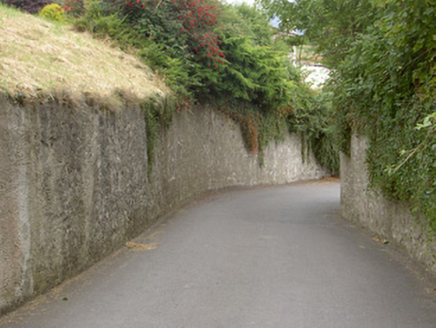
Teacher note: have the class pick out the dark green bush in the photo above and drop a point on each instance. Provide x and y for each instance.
(30, 6)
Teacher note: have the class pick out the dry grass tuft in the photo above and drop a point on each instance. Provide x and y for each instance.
(140, 247)
(40, 57)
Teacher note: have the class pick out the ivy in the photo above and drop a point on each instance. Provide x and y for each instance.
(390, 79)
(383, 56)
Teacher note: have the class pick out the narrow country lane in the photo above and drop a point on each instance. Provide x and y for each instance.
(264, 257)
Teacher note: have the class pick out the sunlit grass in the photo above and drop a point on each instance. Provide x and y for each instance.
(40, 56)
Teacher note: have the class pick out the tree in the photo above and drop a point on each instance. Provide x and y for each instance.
(330, 24)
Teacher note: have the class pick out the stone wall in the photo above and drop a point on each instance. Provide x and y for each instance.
(74, 184)
(392, 221)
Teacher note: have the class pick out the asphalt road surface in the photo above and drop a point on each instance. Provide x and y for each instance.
(264, 257)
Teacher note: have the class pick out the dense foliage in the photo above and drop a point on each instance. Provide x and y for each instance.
(220, 53)
(53, 12)
(331, 25)
(30, 6)
(198, 57)
(208, 51)
(383, 54)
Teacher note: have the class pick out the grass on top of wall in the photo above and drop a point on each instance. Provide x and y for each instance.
(42, 57)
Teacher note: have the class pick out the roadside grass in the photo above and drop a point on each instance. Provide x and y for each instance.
(42, 57)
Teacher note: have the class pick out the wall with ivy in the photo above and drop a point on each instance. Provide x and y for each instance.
(383, 85)
(391, 220)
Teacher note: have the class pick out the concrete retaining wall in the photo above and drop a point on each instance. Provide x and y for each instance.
(366, 207)
(74, 184)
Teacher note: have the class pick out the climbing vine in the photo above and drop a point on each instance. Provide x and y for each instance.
(383, 54)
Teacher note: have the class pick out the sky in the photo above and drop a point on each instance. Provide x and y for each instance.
(248, 2)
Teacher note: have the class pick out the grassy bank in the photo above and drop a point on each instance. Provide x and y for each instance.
(42, 57)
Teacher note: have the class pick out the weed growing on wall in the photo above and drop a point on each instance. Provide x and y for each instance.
(158, 114)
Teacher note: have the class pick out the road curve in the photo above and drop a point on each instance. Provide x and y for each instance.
(264, 257)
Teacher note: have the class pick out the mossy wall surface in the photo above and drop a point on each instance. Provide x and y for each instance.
(74, 183)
